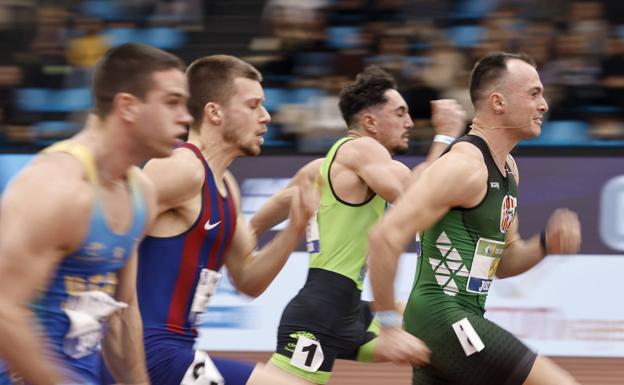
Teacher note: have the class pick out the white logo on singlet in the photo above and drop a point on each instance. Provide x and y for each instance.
(494, 185)
(209, 226)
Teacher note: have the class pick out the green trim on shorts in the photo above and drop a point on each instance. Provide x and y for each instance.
(366, 351)
(283, 362)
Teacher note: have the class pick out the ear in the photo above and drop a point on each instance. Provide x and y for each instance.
(213, 113)
(497, 102)
(369, 123)
(126, 106)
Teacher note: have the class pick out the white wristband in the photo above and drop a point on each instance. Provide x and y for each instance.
(389, 318)
(443, 139)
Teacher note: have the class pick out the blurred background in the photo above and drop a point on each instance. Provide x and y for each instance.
(567, 307)
(308, 49)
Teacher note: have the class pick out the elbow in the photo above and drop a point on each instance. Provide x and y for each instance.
(504, 273)
(254, 226)
(251, 290)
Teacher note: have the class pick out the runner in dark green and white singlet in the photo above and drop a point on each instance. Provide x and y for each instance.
(465, 203)
(460, 256)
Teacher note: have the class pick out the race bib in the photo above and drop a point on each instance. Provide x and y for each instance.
(484, 264)
(312, 235)
(86, 312)
(468, 337)
(308, 354)
(202, 371)
(206, 286)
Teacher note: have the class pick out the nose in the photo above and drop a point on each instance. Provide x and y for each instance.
(543, 107)
(186, 117)
(266, 117)
(409, 122)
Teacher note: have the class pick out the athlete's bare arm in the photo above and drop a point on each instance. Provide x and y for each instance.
(122, 346)
(364, 164)
(458, 178)
(253, 271)
(45, 213)
(275, 210)
(563, 236)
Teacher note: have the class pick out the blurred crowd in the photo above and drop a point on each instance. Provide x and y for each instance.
(308, 49)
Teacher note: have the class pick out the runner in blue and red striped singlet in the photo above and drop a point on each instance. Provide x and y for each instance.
(200, 227)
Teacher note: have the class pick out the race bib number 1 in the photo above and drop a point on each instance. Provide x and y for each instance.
(308, 354)
(484, 264)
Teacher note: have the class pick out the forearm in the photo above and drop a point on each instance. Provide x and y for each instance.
(122, 347)
(260, 270)
(435, 150)
(273, 212)
(383, 259)
(22, 348)
(520, 256)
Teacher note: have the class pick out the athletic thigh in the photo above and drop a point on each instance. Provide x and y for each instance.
(168, 360)
(313, 332)
(504, 360)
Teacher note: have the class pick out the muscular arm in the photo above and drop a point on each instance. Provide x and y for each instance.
(37, 228)
(253, 271)
(425, 202)
(563, 236)
(122, 346)
(374, 165)
(275, 210)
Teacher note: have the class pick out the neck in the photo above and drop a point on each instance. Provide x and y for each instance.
(114, 151)
(499, 143)
(218, 152)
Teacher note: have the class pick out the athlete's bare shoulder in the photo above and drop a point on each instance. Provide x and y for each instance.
(52, 194)
(362, 151)
(463, 168)
(468, 156)
(176, 178)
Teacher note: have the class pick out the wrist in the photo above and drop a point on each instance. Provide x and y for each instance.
(446, 139)
(389, 318)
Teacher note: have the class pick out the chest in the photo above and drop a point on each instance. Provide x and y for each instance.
(117, 208)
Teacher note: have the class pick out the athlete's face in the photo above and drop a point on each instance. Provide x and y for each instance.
(524, 103)
(162, 116)
(246, 119)
(393, 122)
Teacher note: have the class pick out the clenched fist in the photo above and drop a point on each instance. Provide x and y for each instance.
(563, 233)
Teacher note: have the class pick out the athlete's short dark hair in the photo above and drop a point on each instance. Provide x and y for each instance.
(211, 79)
(366, 91)
(128, 68)
(490, 69)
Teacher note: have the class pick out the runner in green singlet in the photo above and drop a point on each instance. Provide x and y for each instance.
(327, 319)
(465, 202)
